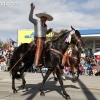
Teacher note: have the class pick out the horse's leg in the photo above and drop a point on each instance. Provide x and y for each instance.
(75, 73)
(41, 73)
(22, 76)
(61, 83)
(62, 73)
(13, 83)
(23, 82)
(54, 74)
(43, 82)
(72, 71)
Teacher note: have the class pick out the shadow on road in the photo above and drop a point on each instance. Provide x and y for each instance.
(33, 89)
(85, 89)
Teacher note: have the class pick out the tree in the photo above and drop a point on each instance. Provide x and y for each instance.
(5, 45)
(1, 43)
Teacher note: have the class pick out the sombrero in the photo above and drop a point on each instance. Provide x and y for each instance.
(49, 17)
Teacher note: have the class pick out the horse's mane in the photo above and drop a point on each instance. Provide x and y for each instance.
(64, 34)
(60, 36)
(78, 33)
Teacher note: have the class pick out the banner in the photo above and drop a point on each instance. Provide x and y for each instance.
(25, 36)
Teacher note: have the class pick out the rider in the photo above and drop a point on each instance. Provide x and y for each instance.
(40, 29)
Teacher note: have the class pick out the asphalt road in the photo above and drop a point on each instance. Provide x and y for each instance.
(87, 88)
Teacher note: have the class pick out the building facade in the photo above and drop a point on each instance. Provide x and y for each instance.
(91, 39)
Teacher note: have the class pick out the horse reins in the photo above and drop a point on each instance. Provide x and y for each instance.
(78, 39)
(57, 51)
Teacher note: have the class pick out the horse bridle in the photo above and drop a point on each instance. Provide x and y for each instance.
(76, 37)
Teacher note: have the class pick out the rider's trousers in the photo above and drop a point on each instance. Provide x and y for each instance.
(39, 49)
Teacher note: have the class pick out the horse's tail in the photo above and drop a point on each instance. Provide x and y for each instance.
(10, 65)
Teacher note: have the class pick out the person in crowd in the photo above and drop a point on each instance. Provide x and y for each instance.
(66, 70)
(96, 69)
(82, 65)
(88, 65)
(1, 53)
(3, 64)
(81, 70)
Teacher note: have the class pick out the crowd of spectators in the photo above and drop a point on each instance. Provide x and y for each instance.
(5, 56)
(88, 66)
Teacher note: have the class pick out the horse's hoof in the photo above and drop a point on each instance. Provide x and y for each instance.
(42, 94)
(74, 81)
(22, 87)
(15, 91)
(55, 79)
(63, 77)
(67, 97)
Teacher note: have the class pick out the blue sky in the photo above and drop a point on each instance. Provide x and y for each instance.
(81, 14)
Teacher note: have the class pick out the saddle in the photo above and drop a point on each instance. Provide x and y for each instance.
(46, 47)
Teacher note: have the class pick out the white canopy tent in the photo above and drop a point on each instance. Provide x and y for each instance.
(97, 53)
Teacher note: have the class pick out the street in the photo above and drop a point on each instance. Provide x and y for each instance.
(87, 88)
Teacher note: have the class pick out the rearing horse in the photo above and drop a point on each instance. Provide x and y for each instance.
(53, 59)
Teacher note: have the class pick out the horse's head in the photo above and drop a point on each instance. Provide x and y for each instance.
(76, 39)
(73, 37)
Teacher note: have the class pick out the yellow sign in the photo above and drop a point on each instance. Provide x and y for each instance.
(25, 36)
(49, 35)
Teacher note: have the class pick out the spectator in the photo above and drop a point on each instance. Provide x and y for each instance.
(67, 70)
(81, 70)
(88, 66)
(1, 53)
(96, 70)
(82, 62)
(3, 64)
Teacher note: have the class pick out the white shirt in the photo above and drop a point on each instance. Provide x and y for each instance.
(40, 31)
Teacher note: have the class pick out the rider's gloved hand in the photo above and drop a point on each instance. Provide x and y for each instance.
(51, 29)
(32, 6)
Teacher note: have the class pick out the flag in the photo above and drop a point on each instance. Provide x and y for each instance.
(12, 41)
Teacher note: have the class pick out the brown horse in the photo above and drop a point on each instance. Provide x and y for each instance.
(71, 59)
